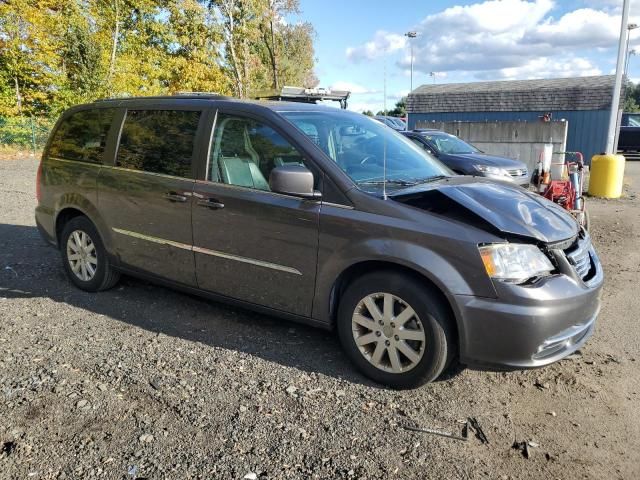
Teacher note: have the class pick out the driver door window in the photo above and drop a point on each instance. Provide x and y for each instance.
(244, 152)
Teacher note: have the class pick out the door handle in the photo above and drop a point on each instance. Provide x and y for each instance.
(175, 197)
(211, 203)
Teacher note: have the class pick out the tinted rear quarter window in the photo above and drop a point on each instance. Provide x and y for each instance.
(82, 135)
(158, 141)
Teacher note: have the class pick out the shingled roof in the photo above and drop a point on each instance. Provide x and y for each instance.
(581, 93)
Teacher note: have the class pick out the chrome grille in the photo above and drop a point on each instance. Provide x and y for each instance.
(518, 172)
(580, 258)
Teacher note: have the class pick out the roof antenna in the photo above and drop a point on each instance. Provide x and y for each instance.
(384, 138)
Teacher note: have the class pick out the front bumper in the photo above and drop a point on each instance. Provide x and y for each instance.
(529, 326)
(523, 181)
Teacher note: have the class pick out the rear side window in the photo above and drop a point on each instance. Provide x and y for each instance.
(158, 141)
(82, 135)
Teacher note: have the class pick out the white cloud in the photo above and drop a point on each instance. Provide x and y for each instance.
(546, 68)
(581, 28)
(614, 5)
(494, 16)
(354, 88)
(375, 102)
(363, 106)
(506, 39)
(382, 43)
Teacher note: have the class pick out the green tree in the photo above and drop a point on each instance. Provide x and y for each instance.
(81, 57)
(631, 97)
(194, 37)
(297, 57)
(55, 53)
(239, 31)
(287, 49)
(400, 109)
(29, 49)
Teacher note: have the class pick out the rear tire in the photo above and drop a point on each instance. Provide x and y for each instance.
(84, 257)
(395, 329)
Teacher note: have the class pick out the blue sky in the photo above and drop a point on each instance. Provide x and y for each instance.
(461, 41)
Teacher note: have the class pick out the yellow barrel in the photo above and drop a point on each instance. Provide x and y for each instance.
(607, 172)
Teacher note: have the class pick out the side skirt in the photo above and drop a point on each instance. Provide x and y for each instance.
(272, 312)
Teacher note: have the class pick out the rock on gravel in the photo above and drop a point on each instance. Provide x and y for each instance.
(146, 438)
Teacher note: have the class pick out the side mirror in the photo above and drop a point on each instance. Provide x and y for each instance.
(293, 180)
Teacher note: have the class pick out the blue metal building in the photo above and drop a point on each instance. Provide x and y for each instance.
(584, 102)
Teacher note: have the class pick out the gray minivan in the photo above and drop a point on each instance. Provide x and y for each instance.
(321, 216)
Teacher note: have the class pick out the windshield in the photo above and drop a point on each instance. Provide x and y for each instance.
(393, 122)
(360, 146)
(633, 120)
(450, 144)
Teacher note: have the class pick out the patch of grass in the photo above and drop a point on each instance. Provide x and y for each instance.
(17, 153)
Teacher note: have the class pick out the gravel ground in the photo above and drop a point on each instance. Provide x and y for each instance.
(143, 382)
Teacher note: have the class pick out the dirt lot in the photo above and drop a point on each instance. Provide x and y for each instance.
(143, 382)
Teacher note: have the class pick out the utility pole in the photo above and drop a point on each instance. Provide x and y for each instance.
(617, 88)
(626, 67)
(411, 35)
(631, 26)
(625, 79)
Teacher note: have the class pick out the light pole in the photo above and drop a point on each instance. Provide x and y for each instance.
(625, 79)
(626, 67)
(411, 35)
(617, 88)
(631, 26)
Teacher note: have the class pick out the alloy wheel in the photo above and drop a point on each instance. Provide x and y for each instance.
(81, 255)
(388, 332)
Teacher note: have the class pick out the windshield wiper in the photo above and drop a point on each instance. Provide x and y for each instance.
(404, 183)
(431, 179)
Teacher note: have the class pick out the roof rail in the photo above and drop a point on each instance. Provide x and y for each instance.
(306, 95)
(198, 94)
(191, 95)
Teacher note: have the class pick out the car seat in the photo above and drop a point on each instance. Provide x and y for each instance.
(238, 160)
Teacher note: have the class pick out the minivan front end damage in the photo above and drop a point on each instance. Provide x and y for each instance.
(538, 323)
(531, 322)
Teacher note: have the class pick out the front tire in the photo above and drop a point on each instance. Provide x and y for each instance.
(395, 329)
(84, 257)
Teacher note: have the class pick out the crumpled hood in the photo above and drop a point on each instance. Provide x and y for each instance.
(506, 207)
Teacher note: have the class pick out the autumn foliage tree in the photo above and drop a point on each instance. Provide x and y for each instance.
(56, 53)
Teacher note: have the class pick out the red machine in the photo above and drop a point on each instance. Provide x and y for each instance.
(566, 190)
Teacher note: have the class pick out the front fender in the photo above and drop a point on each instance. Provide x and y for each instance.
(451, 279)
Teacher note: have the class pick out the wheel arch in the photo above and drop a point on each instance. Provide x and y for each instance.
(63, 217)
(356, 270)
(85, 209)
